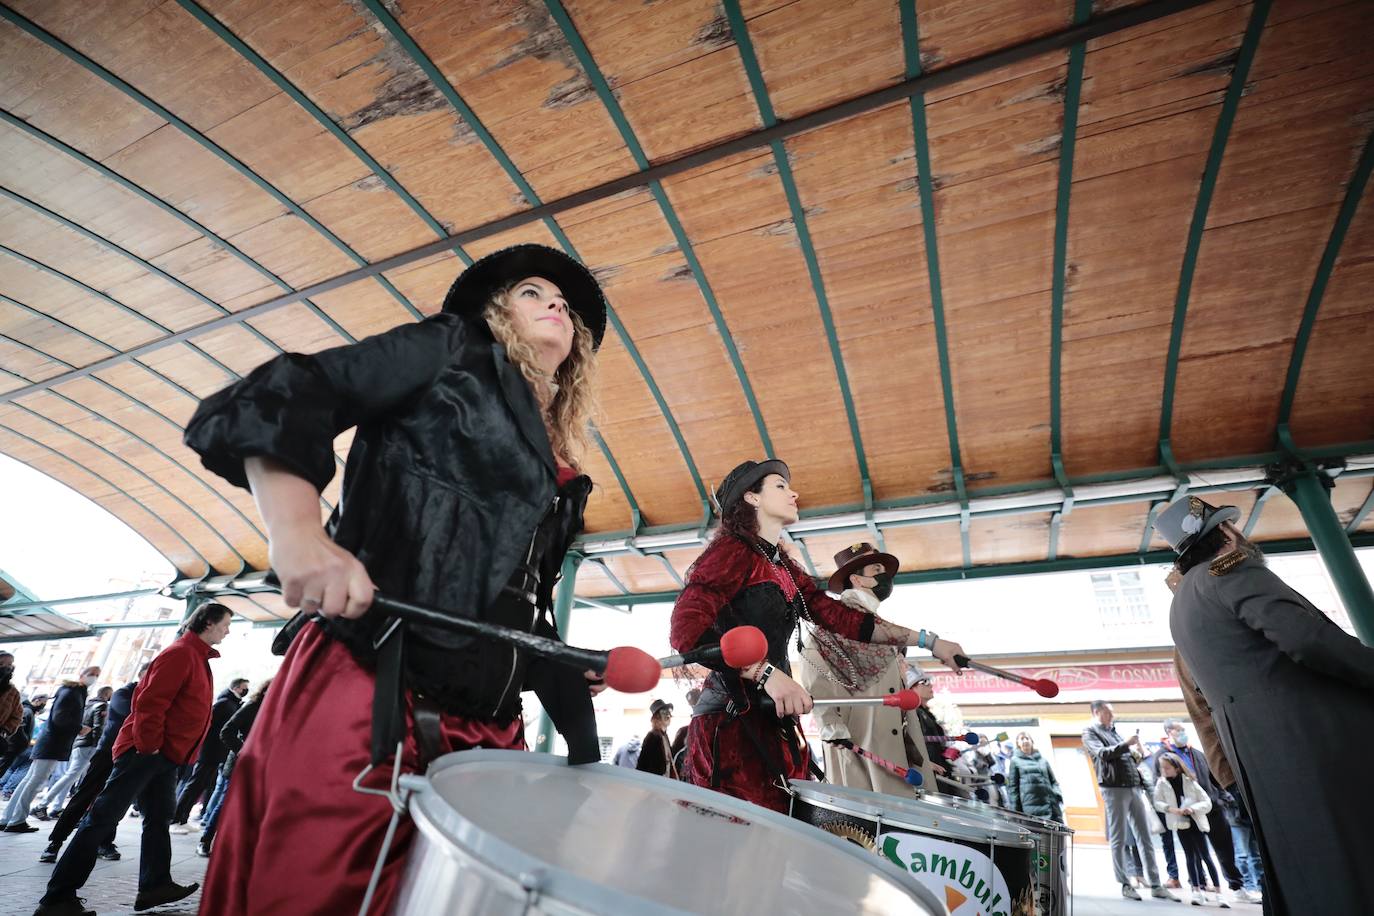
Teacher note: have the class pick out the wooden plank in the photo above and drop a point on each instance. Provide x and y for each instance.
(69, 303)
(952, 31)
(932, 546)
(1282, 519)
(1009, 539)
(1090, 531)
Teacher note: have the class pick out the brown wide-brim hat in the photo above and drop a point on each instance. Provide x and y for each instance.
(472, 290)
(854, 558)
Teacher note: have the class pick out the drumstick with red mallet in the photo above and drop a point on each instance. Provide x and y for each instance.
(905, 700)
(739, 647)
(1043, 686)
(910, 775)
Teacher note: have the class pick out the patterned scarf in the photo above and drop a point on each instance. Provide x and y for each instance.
(852, 664)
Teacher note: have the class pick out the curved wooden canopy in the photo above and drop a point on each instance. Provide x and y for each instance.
(1138, 246)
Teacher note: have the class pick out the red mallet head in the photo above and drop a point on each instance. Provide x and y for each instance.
(1047, 688)
(906, 700)
(951, 753)
(743, 646)
(631, 670)
(914, 777)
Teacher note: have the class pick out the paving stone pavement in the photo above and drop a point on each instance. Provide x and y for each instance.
(113, 885)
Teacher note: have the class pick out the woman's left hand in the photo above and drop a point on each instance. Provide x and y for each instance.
(594, 682)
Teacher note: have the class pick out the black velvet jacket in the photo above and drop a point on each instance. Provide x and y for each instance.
(448, 478)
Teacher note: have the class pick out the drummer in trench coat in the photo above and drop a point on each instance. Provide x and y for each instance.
(833, 667)
(1278, 675)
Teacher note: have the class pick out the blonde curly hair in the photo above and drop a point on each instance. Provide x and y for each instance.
(567, 399)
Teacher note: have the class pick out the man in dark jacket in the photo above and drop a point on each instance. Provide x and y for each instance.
(83, 749)
(171, 710)
(102, 761)
(1128, 820)
(1277, 674)
(53, 747)
(212, 753)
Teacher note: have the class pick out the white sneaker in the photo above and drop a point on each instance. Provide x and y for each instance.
(179, 830)
(1220, 900)
(1198, 898)
(1241, 895)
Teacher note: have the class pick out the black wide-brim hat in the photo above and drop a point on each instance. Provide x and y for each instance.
(742, 479)
(856, 557)
(472, 290)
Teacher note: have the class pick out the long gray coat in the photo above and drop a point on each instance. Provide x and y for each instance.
(1279, 675)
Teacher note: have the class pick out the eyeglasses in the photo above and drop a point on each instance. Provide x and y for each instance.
(923, 680)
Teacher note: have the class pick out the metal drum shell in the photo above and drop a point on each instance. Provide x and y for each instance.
(1052, 840)
(458, 867)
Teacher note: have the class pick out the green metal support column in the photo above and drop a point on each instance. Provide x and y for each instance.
(1309, 489)
(562, 611)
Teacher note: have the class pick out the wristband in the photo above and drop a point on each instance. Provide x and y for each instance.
(931, 637)
(765, 674)
(921, 639)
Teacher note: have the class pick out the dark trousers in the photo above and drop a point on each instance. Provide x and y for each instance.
(97, 772)
(201, 781)
(1166, 840)
(1194, 845)
(1220, 837)
(149, 778)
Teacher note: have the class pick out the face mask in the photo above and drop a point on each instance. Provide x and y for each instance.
(6, 673)
(883, 590)
(88, 680)
(1182, 740)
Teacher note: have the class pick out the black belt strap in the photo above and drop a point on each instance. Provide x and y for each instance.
(388, 696)
(426, 714)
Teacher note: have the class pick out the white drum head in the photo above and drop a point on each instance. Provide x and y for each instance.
(614, 840)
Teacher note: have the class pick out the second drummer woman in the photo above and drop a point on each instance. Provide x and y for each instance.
(739, 744)
(461, 491)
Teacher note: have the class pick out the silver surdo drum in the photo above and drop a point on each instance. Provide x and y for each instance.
(1053, 851)
(511, 832)
(976, 865)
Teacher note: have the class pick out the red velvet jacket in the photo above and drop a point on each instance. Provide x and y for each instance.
(733, 584)
(171, 707)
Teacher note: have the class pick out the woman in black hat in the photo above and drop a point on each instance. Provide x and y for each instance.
(461, 491)
(744, 737)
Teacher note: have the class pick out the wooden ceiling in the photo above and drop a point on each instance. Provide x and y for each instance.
(1151, 246)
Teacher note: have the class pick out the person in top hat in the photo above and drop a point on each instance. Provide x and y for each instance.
(744, 737)
(656, 753)
(462, 491)
(1276, 673)
(833, 667)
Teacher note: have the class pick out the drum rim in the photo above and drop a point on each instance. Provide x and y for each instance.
(1032, 823)
(1009, 836)
(440, 825)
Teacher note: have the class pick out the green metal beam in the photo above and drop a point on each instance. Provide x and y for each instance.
(146, 195)
(1227, 116)
(1354, 192)
(926, 188)
(627, 134)
(1000, 570)
(562, 614)
(1073, 88)
(1335, 548)
(10, 607)
(806, 557)
(114, 488)
(450, 93)
(740, 30)
(202, 140)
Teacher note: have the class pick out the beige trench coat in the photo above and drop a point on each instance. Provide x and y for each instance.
(877, 728)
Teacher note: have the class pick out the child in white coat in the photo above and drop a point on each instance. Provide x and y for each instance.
(1185, 806)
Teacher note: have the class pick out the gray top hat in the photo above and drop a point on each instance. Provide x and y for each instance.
(1186, 520)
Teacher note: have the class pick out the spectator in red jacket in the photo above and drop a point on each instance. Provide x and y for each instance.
(171, 709)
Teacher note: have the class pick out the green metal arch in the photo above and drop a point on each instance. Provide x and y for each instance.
(218, 151)
(627, 134)
(508, 166)
(143, 193)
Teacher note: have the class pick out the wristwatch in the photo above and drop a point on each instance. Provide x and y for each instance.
(765, 674)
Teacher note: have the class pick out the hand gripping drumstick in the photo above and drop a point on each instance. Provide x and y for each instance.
(906, 700)
(910, 775)
(1043, 686)
(740, 647)
(624, 668)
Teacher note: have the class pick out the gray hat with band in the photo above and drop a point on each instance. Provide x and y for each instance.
(1186, 520)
